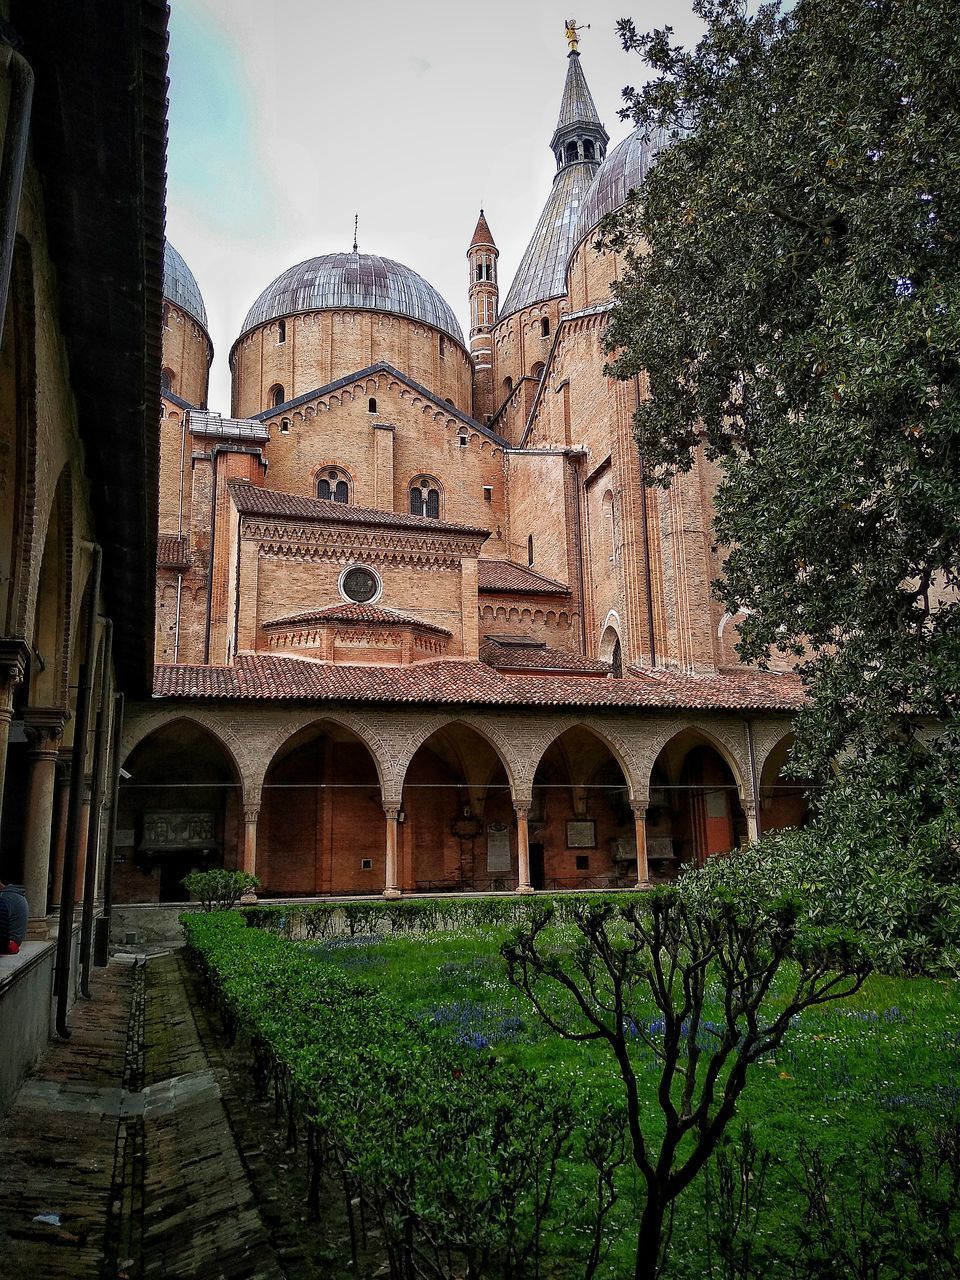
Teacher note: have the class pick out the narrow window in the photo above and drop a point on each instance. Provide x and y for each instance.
(166, 380)
(463, 442)
(166, 315)
(545, 327)
(508, 385)
(488, 493)
(537, 370)
(479, 270)
(530, 549)
(333, 486)
(571, 152)
(443, 347)
(588, 152)
(281, 331)
(371, 405)
(284, 426)
(277, 395)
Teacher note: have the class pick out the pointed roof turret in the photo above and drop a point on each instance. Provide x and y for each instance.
(483, 236)
(579, 143)
(577, 106)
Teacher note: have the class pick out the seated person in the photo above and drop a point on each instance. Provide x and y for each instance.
(14, 914)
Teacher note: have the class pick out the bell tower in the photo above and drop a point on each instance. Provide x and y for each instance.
(484, 299)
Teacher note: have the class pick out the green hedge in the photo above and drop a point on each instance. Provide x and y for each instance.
(468, 1165)
(413, 915)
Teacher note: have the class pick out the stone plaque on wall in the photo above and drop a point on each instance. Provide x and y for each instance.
(177, 829)
(717, 804)
(498, 847)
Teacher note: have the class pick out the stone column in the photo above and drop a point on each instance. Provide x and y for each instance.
(43, 726)
(753, 821)
(82, 839)
(523, 849)
(251, 815)
(640, 822)
(13, 666)
(391, 889)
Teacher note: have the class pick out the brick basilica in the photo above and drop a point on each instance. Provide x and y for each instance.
(419, 624)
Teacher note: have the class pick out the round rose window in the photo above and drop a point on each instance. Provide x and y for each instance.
(359, 585)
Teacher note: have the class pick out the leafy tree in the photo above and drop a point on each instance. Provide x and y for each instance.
(792, 296)
(219, 890)
(717, 979)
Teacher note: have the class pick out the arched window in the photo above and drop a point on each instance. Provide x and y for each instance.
(371, 405)
(530, 549)
(277, 395)
(284, 426)
(479, 270)
(537, 370)
(545, 327)
(507, 385)
(166, 380)
(588, 152)
(333, 485)
(571, 152)
(443, 347)
(166, 315)
(425, 497)
(281, 331)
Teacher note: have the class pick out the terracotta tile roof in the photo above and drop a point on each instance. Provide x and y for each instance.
(263, 676)
(356, 614)
(510, 654)
(251, 499)
(482, 235)
(172, 552)
(499, 576)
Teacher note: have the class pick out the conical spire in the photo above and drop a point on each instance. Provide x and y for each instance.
(482, 237)
(579, 142)
(577, 106)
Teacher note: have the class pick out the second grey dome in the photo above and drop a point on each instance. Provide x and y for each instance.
(623, 170)
(180, 286)
(348, 281)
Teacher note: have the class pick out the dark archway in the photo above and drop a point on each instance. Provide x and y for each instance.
(694, 809)
(784, 799)
(179, 810)
(459, 828)
(582, 831)
(322, 827)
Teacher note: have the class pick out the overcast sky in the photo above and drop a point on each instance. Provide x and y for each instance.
(287, 118)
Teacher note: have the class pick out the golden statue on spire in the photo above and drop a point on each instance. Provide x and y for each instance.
(573, 40)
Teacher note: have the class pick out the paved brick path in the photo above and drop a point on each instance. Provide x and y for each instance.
(122, 1133)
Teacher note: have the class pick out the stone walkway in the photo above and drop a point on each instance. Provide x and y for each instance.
(118, 1158)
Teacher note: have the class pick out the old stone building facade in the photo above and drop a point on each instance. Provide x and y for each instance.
(419, 623)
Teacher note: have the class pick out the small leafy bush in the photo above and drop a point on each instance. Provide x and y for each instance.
(219, 890)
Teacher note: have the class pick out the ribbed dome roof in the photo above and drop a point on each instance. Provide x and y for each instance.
(347, 281)
(623, 170)
(180, 287)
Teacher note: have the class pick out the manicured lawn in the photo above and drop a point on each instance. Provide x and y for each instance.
(846, 1075)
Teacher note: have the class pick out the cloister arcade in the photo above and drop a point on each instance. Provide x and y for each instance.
(336, 800)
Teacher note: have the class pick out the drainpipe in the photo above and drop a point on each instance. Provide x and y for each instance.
(14, 159)
(214, 454)
(576, 466)
(75, 802)
(114, 802)
(646, 536)
(176, 633)
(93, 830)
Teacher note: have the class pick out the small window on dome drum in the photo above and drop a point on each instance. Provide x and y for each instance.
(166, 380)
(277, 395)
(281, 331)
(588, 153)
(443, 347)
(371, 405)
(545, 327)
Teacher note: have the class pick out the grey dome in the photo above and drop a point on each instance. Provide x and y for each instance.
(348, 281)
(180, 287)
(623, 170)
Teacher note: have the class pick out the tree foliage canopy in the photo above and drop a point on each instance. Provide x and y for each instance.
(792, 295)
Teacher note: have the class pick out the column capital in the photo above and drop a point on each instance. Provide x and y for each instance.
(44, 728)
(251, 812)
(392, 811)
(522, 810)
(14, 655)
(639, 806)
